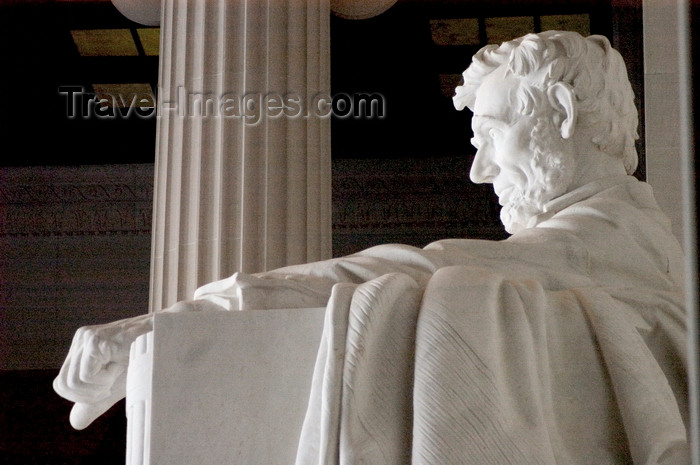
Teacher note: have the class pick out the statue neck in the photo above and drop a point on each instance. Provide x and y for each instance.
(593, 164)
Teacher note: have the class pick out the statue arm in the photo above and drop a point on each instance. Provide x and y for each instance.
(94, 372)
(267, 291)
(310, 284)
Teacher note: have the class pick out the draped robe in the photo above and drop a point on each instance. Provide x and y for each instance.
(564, 344)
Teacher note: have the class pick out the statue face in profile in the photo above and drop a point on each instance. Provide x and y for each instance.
(524, 156)
(552, 112)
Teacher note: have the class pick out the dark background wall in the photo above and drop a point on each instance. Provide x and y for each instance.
(75, 210)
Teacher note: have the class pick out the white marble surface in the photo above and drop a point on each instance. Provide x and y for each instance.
(231, 388)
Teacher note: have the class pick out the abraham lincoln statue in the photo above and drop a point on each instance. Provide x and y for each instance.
(563, 344)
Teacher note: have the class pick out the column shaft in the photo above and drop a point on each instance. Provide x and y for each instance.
(238, 188)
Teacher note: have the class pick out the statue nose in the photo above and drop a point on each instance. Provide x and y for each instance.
(483, 168)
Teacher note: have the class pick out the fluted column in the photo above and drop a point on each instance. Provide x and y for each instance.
(241, 184)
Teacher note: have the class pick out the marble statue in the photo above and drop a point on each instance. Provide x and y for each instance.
(563, 344)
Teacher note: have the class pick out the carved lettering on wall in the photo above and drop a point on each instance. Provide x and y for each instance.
(374, 201)
(104, 200)
(413, 201)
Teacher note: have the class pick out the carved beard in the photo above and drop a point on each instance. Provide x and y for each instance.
(551, 173)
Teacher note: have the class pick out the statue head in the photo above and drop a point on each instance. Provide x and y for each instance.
(552, 111)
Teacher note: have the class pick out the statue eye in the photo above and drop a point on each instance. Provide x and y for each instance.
(494, 133)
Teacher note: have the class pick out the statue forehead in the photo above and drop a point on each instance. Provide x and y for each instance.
(495, 96)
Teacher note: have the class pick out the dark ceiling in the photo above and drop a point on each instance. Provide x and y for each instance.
(410, 56)
(40, 56)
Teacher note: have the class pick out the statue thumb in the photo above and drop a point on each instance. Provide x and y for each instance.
(82, 414)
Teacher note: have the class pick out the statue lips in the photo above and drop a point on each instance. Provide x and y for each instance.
(504, 194)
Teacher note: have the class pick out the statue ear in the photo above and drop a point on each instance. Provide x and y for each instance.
(561, 98)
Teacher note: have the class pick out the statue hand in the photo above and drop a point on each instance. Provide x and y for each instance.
(94, 372)
(83, 414)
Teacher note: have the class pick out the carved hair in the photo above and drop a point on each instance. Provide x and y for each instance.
(594, 70)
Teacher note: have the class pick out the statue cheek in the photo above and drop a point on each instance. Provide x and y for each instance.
(521, 140)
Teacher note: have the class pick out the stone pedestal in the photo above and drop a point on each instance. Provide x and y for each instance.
(221, 388)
